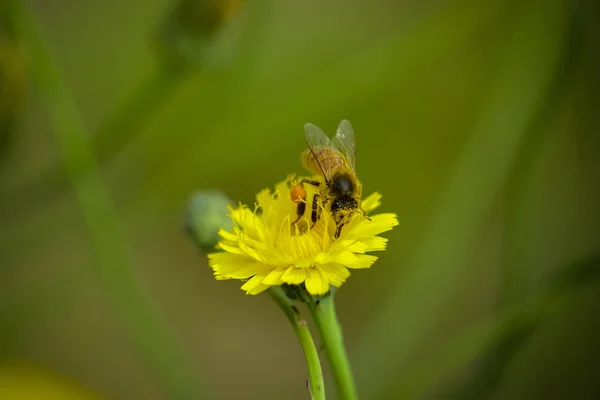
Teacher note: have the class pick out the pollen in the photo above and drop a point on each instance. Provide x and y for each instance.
(269, 246)
(298, 193)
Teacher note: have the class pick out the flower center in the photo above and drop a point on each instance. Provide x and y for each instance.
(292, 232)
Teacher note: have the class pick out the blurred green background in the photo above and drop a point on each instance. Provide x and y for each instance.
(478, 121)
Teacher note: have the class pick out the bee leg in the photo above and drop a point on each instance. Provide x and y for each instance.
(298, 196)
(364, 214)
(314, 183)
(338, 231)
(300, 210)
(314, 215)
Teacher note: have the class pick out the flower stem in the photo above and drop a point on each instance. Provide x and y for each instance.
(157, 345)
(323, 312)
(316, 385)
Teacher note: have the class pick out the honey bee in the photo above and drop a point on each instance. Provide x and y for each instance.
(334, 160)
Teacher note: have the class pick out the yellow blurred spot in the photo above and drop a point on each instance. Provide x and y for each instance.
(23, 380)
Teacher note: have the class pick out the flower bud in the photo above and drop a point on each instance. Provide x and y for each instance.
(207, 213)
(188, 27)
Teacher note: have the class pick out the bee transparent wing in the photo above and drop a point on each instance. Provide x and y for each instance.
(345, 142)
(317, 142)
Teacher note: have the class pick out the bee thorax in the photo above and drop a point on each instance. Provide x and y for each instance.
(342, 185)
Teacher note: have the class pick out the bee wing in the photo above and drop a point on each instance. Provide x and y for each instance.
(345, 142)
(315, 139)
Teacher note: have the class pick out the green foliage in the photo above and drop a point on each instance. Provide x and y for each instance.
(477, 122)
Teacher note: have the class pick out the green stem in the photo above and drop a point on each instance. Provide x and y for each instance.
(323, 313)
(112, 260)
(317, 386)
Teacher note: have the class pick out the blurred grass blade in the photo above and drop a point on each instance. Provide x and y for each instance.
(129, 118)
(173, 68)
(13, 81)
(490, 368)
(29, 307)
(437, 266)
(517, 279)
(460, 350)
(495, 341)
(182, 44)
(112, 261)
(517, 284)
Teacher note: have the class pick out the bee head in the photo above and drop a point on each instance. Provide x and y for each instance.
(342, 207)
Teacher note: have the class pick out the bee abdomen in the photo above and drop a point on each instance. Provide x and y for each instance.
(328, 160)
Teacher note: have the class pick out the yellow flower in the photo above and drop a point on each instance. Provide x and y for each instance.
(266, 249)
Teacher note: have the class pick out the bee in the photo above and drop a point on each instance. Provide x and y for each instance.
(334, 160)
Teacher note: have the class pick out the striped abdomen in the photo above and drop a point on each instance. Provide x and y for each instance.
(329, 160)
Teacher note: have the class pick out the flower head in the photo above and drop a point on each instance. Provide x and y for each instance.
(266, 248)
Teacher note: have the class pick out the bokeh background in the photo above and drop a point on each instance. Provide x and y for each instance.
(478, 121)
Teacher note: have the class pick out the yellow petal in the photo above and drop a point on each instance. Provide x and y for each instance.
(316, 281)
(371, 202)
(294, 276)
(231, 249)
(306, 263)
(362, 261)
(227, 243)
(345, 242)
(336, 273)
(228, 235)
(343, 256)
(264, 199)
(284, 203)
(274, 278)
(248, 222)
(283, 188)
(355, 246)
(379, 223)
(258, 289)
(373, 243)
(255, 284)
(322, 258)
(241, 273)
(235, 266)
(247, 248)
(258, 245)
(239, 215)
(235, 260)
